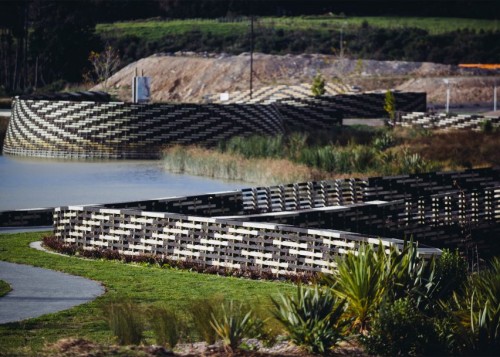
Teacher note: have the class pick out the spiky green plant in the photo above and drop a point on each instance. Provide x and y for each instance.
(312, 318)
(233, 324)
(477, 312)
(361, 280)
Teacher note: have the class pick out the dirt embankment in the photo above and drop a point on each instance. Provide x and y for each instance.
(188, 77)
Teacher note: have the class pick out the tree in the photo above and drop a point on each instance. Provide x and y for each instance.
(63, 34)
(318, 85)
(104, 64)
(390, 104)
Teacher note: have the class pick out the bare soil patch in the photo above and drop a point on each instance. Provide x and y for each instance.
(188, 77)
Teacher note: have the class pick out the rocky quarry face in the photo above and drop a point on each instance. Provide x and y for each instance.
(188, 77)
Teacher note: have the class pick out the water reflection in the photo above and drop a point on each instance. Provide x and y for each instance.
(34, 182)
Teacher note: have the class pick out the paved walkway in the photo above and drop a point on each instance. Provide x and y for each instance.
(36, 292)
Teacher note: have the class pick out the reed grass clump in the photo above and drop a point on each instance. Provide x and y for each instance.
(201, 312)
(167, 324)
(125, 322)
(210, 163)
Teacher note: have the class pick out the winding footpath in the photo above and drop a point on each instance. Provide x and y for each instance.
(36, 292)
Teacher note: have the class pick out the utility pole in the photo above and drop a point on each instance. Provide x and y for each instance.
(447, 82)
(342, 40)
(495, 96)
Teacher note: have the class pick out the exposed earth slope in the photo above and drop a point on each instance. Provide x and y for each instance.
(188, 77)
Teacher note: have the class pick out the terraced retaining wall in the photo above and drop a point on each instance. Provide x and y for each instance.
(121, 130)
(447, 121)
(211, 241)
(337, 96)
(439, 208)
(83, 129)
(322, 220)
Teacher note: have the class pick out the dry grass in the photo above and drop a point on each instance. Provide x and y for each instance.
(459, 148)
(209, 163)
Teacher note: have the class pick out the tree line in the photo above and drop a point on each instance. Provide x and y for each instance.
(44, 43)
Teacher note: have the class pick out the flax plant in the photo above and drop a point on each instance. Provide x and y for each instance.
(477, 312)
(361, 280)
(313, 319)
(233, 324)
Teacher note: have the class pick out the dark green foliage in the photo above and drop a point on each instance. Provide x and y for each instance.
(62, 38)
(476, 312)
(451, 270)
(343, 157)
(367, 42)
(312, 318)
(400, 329)
(486, 126)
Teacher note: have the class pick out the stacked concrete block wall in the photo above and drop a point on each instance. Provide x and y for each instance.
(303, 195)
(272, 94)
(390, 188)
(447, 121)
(26, 217)
(120, 130)
(83, 129)
(206, 205)
(440, 220)
(210, 241)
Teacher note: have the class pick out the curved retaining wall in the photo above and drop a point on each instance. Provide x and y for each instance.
(84, 129)
(120, 130)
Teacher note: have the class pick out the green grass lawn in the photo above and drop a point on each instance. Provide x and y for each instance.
(152, 30)
(4, 288)
(139, 284)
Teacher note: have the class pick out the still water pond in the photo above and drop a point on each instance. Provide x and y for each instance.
(35, 183)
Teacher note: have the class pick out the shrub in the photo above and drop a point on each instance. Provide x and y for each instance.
(312, 318)
(451, 270)
(399, 329)
(58, 245)
(390, 104)
(384, 140)
(318, 85)
(124, 320)
(486, 126)
(233, 323)
(167, 326)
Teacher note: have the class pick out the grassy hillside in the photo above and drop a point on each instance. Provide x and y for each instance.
(153, 30)
(441, 40)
